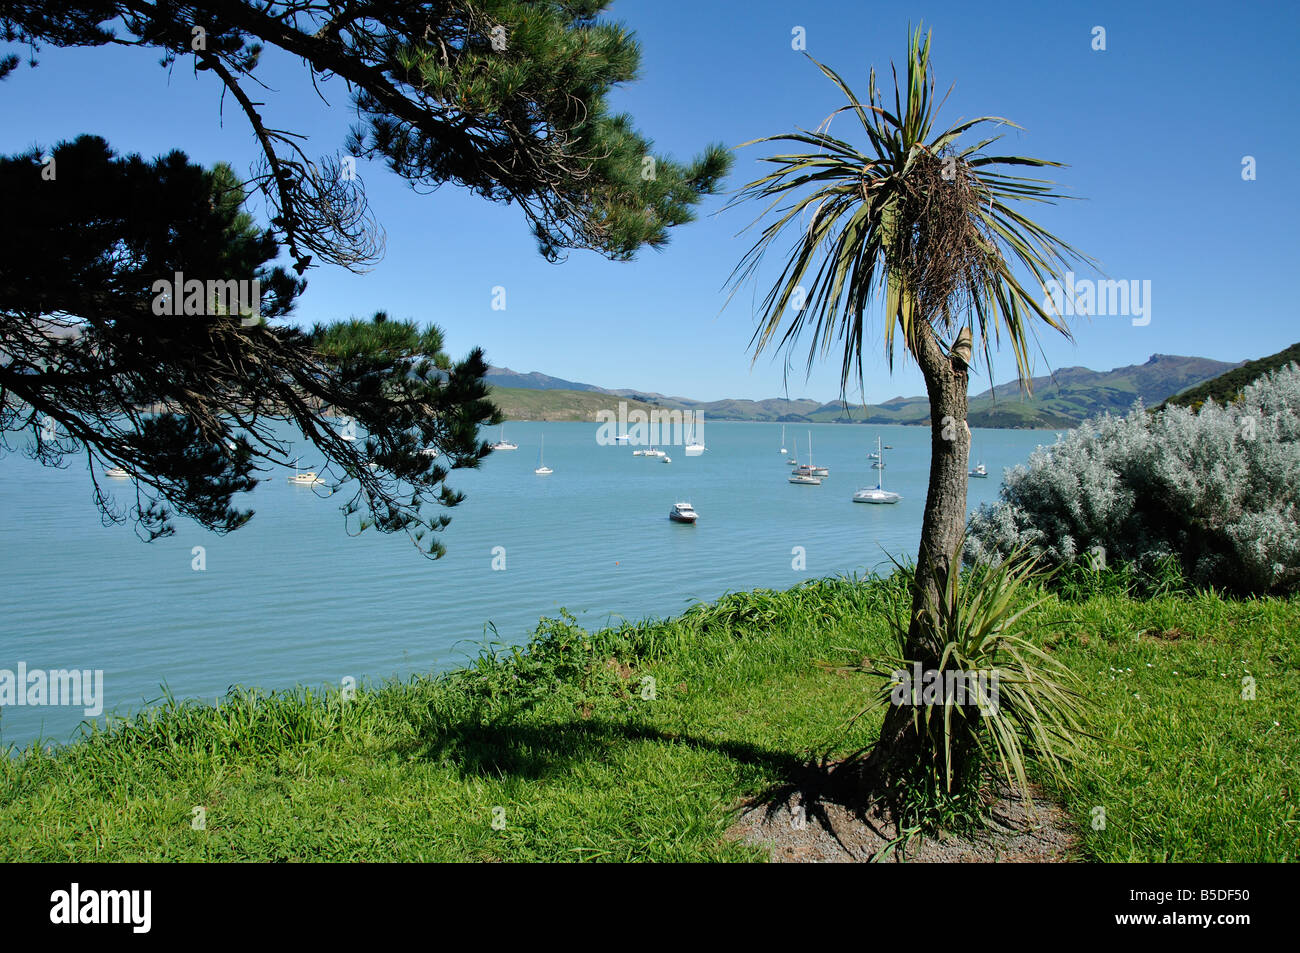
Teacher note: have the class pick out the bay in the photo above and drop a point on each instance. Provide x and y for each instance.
(291, 598)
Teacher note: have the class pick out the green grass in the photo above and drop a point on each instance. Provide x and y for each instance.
(585, 768)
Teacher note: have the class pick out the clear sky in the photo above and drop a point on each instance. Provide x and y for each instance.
(1154, 129)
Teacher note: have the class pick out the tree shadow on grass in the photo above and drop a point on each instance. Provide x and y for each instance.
(535, 752)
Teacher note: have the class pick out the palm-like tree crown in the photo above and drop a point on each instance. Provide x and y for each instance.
(914, 219)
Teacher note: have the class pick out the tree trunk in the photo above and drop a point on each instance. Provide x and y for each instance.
(900, 751)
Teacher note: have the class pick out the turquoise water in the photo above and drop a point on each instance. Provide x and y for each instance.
(291, 598)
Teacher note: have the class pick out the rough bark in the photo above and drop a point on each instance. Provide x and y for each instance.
(900, 752)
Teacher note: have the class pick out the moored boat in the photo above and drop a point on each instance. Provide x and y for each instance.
(503, 443)
(877, 493)
(683, 513)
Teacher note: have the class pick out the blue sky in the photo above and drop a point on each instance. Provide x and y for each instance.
(1154, 130)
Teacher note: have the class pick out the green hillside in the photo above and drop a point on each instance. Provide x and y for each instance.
(519, 403)
(1059, 400)
(1062, 399)
(1225, 388)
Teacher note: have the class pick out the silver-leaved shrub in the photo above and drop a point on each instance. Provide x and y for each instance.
(1218, 489)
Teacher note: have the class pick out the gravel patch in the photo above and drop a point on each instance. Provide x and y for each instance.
(799, 827)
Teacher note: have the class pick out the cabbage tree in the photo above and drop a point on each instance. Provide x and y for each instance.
(923, 227)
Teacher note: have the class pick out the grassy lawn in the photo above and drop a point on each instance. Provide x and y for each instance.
(638, 743)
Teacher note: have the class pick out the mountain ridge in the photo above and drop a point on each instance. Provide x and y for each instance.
(1060, 399)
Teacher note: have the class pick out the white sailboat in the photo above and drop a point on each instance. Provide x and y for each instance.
(981, 472)
(808, 469)
(877, 493)
(783, 450)
(807, 474)
(503, 443)
(694, 446)
(542, 468)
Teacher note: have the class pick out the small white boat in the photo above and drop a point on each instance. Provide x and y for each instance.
(783, 450)
(429, 451)
(694, 445)
(667, 459)
(117, 473)
(877, 493)
(503, 443)
(683, 513)
(803, 479)
(981, 472)
(542, 468)
(347, 437)
(808, 469)
(303, 477)
(649, 452)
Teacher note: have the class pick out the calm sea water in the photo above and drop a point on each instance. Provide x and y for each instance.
(292, 599)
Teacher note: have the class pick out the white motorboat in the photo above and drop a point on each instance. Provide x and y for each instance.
(667, 459)
(649, 452)
(542, 468)
(116, 473)
(803, 479)
(303, 477)
(981, 472)
(683, 513)
(877, 493)
(503, 443)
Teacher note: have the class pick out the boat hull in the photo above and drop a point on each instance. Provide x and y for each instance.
(876, 497)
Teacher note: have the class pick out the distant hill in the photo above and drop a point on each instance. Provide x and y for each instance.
(534, 380)
(1061, 399)
(1225, 388)
(532, 403)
